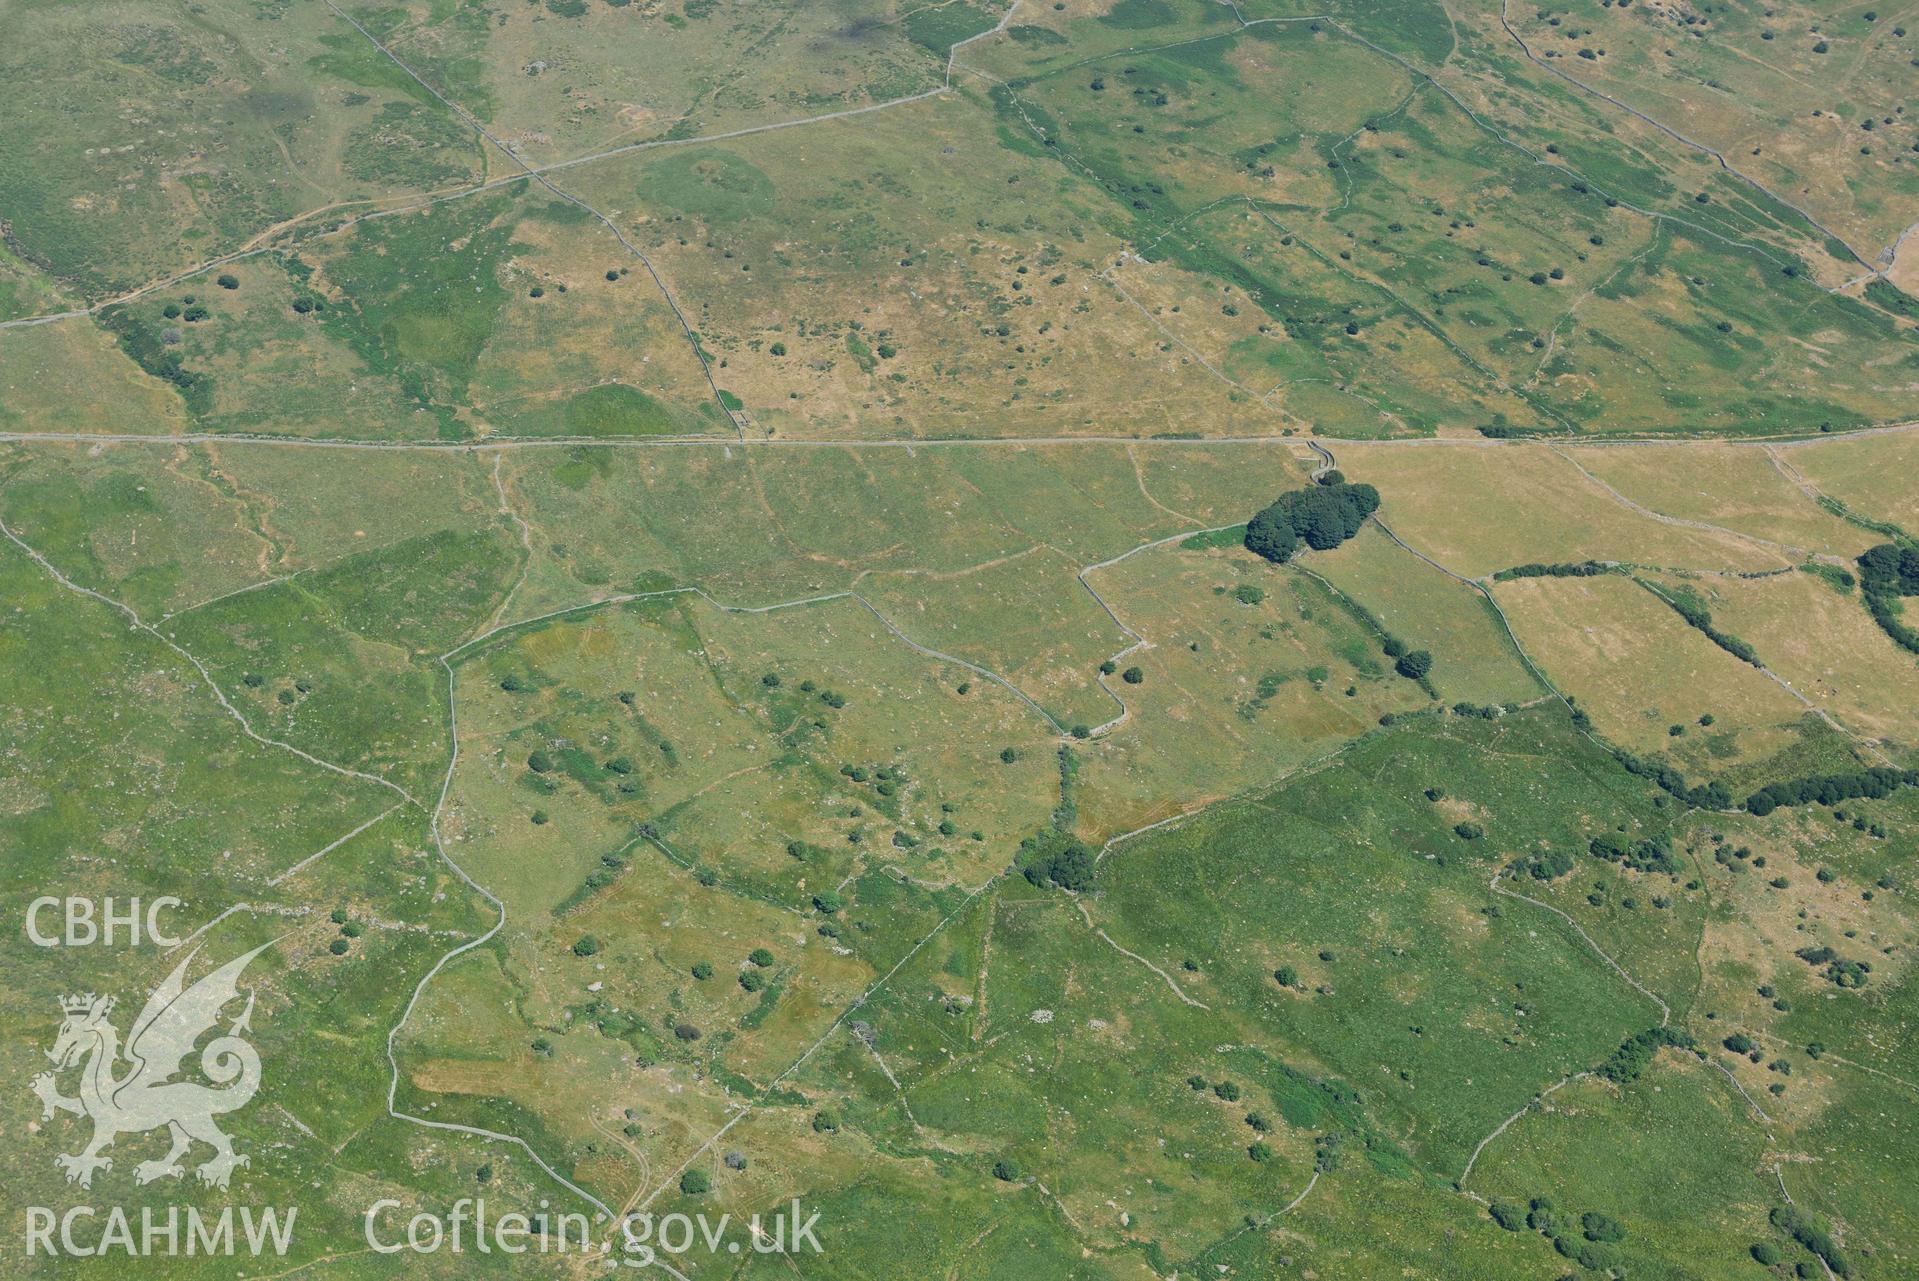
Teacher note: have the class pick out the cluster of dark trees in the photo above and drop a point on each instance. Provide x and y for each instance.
(1322, 516)
(1830, 789)
(1548, 866)
(1815, 1238)
(1698, 616)
(1051, 858)
(1890, 568)
(1588, 1239)
(1886, 573)
(1886, 614)
(148, 350)
(1818, 789)
(1413, 664)
(1705, 796)
(886, 779)
(1635, 1053)
(1837, 969)
(1573, 569)
(1653, 854)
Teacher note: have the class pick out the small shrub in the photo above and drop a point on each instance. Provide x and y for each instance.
(1598, 1227)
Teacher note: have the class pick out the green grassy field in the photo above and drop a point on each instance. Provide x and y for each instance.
(655, 788)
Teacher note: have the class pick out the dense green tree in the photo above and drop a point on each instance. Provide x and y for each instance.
(1577, 569)
(1270, 534)
(1325, 526)
(1050, 859)
(1829, 789)
(1888, 572)
(1323, 516)
(1889, 567)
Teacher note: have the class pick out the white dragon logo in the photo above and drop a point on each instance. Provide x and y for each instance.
(147, 1097)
